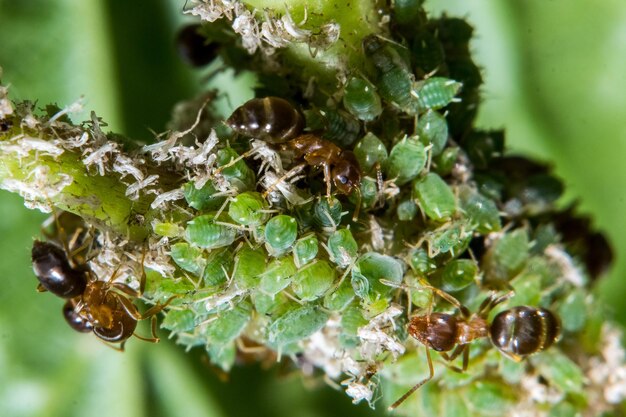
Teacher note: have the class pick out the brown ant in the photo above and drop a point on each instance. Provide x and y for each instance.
(276, 121)
(103, 307)
(516, 332)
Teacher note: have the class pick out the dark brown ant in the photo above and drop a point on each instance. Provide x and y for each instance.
(277, 122)
(271, 119)
(104, 307)
(516, 332)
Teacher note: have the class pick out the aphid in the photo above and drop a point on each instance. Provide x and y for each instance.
(281, 232)
(394, 77)
(434, 197)
(272, 119)
(516, 332)
(194, 48)
(313, 280)
(361, 99)
(338, 126)
(207, 233)
(406, 160)
(342, 247)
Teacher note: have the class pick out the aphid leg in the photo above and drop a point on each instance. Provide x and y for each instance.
(234, 161)
(416, 386)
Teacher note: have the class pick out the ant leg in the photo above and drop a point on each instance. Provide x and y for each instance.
(157, 308)
(492, 302)
(154, 338)
(357, 208)
(466, 358)
(327, 180)
(464, 311)
(418, 385)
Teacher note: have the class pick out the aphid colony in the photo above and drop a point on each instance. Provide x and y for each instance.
(387, 186)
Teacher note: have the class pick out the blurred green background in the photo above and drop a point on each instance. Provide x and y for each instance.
(555, 79)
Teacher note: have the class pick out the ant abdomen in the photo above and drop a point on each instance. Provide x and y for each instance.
(54, 272)
(522, 331)
(272, 119)
(74, 319)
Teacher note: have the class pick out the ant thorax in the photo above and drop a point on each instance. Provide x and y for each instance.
(474, 328)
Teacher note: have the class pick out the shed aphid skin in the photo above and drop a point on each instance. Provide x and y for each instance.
(516, 332)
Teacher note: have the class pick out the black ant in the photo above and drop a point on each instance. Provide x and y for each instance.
(278, 122)
(516, 332)
(102, 307)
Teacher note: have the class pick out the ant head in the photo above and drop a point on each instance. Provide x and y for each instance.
(346, 173)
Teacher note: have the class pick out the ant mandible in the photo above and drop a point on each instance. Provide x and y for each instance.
(277, 122)
(102, 307)
(516, 332)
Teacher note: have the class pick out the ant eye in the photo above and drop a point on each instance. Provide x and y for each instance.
(343, 179)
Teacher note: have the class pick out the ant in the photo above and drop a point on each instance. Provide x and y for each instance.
(102, 307)
(278, 122)
(516, 332)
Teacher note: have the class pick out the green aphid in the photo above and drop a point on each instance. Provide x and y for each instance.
(432, 129)
(351, 319)
(420, 262)
(426, 51)
(249, 209)
(394, 76)
(406, 160)
(277, 275)
(480, 211)
(560, 371)
(167, 229)
(249, 265)
(339, 126)
(369, 193)
(239, 174)
(223, 356)
(436, 92)
(228, 325)
(281, 232)
(369, 269)
(179, 320)
(218, 264)
(296, 325)
(452, 238)
(507, 256)
(407, 12)
(327, 214)
(271, 305)
(487, 398)
(305, 250)
(342, 247)
(434, 197)
(573, 311)
(313, 280)
(445, 161)
(207, 198)
(205, 233)
(406, 210)
(370, 152)
(458, 274)
(361, 99)
(340, 297)
(189, 258)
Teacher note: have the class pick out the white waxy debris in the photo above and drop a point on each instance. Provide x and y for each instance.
(323, 350)
(376, 336)
(248, 28)
(74, 107)
(77, 141)
(359, 392)
(225, 297)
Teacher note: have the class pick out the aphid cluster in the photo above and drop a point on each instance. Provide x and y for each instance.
(102, 307)
(292, 223)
